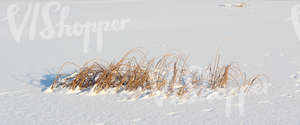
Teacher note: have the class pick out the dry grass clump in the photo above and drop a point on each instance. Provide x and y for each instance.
(166, 74)
(237, 4)
(223, 76)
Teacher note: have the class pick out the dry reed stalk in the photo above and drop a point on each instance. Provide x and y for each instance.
(167, 72)
(54, 84)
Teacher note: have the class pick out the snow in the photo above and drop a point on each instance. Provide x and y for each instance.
(260, 37)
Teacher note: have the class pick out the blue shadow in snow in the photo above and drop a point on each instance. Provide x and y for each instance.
(46, 81)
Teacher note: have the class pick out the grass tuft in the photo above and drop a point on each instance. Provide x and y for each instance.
(166, 74)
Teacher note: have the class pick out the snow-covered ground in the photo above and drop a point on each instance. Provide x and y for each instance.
(260, 37)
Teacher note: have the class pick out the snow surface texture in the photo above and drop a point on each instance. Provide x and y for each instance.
(260, 37)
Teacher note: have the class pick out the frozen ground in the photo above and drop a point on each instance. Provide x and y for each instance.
(260, 37)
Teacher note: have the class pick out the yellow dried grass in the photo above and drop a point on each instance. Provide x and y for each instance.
(132, 72)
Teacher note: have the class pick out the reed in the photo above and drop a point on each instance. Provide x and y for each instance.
(166, 74)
